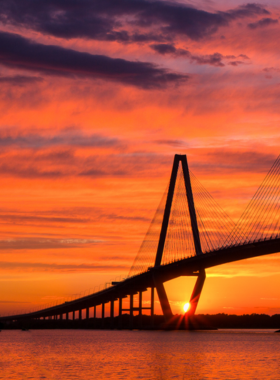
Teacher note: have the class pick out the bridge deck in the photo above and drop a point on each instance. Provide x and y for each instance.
(186, 267)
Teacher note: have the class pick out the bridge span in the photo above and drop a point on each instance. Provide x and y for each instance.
(257, 233)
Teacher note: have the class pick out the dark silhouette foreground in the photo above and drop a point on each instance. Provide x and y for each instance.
(178, 322)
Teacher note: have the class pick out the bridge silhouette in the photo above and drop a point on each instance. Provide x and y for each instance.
(188, 234)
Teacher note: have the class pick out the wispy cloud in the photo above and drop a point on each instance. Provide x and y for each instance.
(70, 137)
(59, 267)
(45, 243)
(264, 22)
(215, 59)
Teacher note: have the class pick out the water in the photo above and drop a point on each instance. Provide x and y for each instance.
(99, 354)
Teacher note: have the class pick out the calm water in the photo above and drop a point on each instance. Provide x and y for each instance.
(97, 354)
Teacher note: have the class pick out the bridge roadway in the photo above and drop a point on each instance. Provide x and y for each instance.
(153, 277)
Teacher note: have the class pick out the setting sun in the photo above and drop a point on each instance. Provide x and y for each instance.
(186, 307)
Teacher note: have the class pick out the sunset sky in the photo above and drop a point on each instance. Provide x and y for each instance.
(96, 97)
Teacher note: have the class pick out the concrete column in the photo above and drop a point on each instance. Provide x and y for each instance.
(61, 316)
(152, 306)
(73, 315)
(80, 314)
(164, 303)
(140, 309)
(120, 313)
(197, 292)
(67, 316)
(94, 315)
(112, 314)
(131, 312)
(87, 313)
(103, 315)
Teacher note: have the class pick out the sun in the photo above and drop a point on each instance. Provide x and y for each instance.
(186, 307)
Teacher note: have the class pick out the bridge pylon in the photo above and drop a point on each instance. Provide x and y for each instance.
(201, 275)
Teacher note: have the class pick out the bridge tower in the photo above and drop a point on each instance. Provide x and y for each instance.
(201, 275)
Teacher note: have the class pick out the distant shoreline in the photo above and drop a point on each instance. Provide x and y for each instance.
(179, 322)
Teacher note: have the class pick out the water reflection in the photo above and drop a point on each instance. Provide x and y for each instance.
(81, 354)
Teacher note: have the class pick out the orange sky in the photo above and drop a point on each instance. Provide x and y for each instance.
(87, 140)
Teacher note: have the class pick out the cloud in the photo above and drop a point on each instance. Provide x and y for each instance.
(172, 142)
(61, 163)
(262, 23)
(64, 217)
(165, 49)
(45, 243)
(20, 80)
(215, 59)
(22, 53)
(121, 217)
(233, 161)
(16, 219)
(121, 20)
(271, 69)
(68, 137)
(14, 301)
(55, 267)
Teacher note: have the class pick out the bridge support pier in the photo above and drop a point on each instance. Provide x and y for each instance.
(103, 315)
(164, 303)
(131, 312)
(112, 314)
(152, 306)
(197, 291)
(140, 309)
(120, 313)
(80, 314)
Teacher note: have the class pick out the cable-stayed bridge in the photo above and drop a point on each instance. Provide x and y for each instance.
(188, 234)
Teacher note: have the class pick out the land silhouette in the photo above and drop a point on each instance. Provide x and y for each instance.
(180, 322)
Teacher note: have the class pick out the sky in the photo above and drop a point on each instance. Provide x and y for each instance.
(95, 100)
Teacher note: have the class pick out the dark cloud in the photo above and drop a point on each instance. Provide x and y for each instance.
(19, 52)
(20, 80)
(215, 59)
(262, 23)
(209, 59)
(68, 138)
(110, 19)
(247, 10)
(164, 48)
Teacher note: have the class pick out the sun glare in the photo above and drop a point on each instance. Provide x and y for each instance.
(186, 307)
